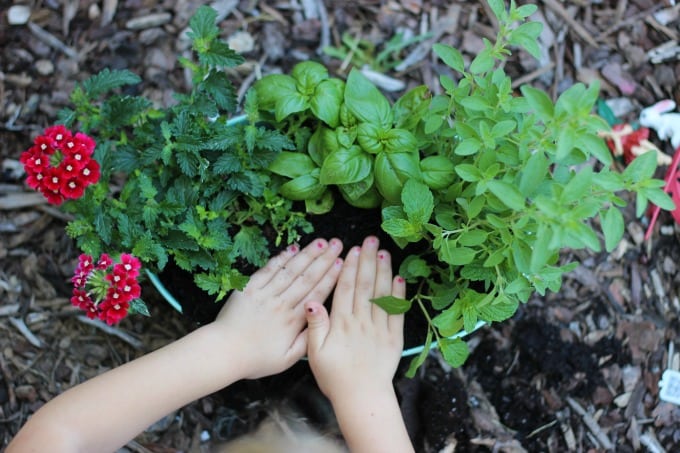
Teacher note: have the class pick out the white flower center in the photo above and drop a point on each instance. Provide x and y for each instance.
(117, 307)
(70, 144)
(127, 288)
(39, 176)
(86, 172)
(78, 157)
(55, 179)
(128, 267)
(59, 136)
(43, 147)
(72, 185)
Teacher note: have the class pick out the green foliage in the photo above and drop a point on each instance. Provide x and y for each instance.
(492, 183)
(194, 189)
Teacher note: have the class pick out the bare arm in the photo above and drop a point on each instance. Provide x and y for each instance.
(103, 413)
(354, 353)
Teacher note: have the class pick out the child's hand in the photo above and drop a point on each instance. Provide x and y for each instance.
(358, 349)
(269, 313)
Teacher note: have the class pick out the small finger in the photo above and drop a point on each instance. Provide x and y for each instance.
(343, 298)
(296, 265)
(264, 275)
(383, 286)
(366, 274)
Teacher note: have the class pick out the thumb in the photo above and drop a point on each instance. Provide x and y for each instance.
(318, 325)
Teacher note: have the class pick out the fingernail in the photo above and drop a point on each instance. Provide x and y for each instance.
(372, 240)
(335, 244)
(310, 309)
(320, 244)
(356, 250)
(381, 256)
(400, 279)
(338, 262)
(293, 248)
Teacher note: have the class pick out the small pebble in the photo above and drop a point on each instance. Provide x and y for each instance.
(26, 393)
(151, 35)
(241, 42)
(94, 12)
(44, 67)
(148, 21)
(18, 14)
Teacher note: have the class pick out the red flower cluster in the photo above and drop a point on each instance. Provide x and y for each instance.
(104, 289)
(60, 164)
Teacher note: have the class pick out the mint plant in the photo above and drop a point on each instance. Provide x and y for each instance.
(181, 182)
(492, 184)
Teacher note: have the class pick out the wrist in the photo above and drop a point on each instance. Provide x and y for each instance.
(226, 349)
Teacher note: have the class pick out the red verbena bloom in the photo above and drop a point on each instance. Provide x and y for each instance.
(130, 264)
(112, 312)
(60, 165)
(104, 288)
(104, 262)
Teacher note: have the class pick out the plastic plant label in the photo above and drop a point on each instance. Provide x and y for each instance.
(670, 387)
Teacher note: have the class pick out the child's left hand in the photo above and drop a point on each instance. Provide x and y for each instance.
(269, 314)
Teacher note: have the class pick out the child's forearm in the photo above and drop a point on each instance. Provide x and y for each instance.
(372, 422)
(105, 412)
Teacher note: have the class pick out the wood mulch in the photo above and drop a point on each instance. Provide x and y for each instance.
(572, 371)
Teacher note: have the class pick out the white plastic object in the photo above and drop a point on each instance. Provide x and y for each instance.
(666, 125)
(670, 387)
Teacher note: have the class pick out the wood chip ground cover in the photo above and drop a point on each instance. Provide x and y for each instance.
(574, 371)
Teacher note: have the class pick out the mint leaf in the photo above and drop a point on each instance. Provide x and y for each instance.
(418, 202)
(392, 305)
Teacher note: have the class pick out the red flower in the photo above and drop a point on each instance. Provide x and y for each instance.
(57, 133)
(85, 143)
(130, 264)
(130, 288)
(89, 174)
(112, 312)
(35, 180)
(79, 279)
(103, 288)
(85, 263)
(60, 165)
(104, 262)
(53, 196)
(53, 179)
(83, 301)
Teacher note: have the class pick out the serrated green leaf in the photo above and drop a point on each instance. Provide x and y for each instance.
(499, 309)
(418, 202)
(107, 80)
(455, 351)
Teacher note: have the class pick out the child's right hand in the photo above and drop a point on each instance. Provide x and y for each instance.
(354, 353)
(358, 348)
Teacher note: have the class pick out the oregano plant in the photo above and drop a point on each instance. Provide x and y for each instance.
(490, 183)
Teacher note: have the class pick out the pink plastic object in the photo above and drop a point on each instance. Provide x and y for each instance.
(672, 186)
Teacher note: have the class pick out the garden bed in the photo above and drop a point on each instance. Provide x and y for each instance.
(599, 345)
